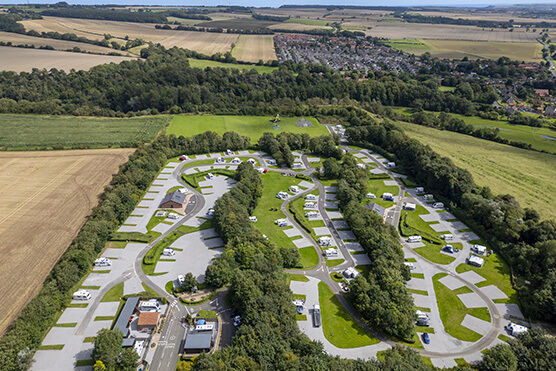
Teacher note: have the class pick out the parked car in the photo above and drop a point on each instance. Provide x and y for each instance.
(422, 322)
(299, 309)
(426, 338)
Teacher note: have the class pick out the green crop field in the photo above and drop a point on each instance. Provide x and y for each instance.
(408, 44)
(23, 131)
(526, 175)
(201, 63)
(536, 137)
(251, 126)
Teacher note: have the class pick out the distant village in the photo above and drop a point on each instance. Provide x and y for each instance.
(344, 54)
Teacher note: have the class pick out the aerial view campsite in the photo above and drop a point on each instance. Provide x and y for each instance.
(277, 186)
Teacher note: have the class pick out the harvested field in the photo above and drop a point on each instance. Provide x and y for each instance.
(17, 39)
(297, 27)
(20, 59)
(402, 30)
(252, 48)
(202, 42)
(485, 16)
(526, 175)
(44, 200)
(238, 23)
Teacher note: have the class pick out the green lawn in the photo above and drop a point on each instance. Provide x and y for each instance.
(452, 311)
(338, 326)
(297, 277)
(309, 257)
(104, 318)
(24, 131)
(51, 347)
(432, 252)
(334, 262)
(418, 275)
(377, 187)
(273, 182)
(206, 314)
(114, 294)
(202, 63)
(251, 126)
(408, 44)
(71, 324)
(496, 273)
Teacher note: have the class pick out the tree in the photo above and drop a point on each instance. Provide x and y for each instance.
(99, 366)
(108, 344)
(128, 360)
(189, 283)
(499, 358)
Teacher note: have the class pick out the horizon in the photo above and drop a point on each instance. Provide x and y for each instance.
(277, 4)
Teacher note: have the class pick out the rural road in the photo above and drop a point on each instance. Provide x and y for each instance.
(548, 57)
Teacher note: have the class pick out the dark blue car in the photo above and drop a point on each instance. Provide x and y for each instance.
(426, 338)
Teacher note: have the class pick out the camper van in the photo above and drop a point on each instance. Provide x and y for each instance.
(168, 252)
(371, 196)
(81, 295)
(151, 305)
(325, 241)
(312, 214)
(316, 315)
(310, 198)
(297, 165)
(181, 279)
(414, 239)
(419, 190)
(210, 176)
(271, 162)
(103, 262)
(428, 197)
(447, 237)
(409, 206)
(210, 212)
(236, 161)
(475, 261)
(479, 249)
(438, 205)
(309, 205)
(390, 165)
(331, 252)
(252, 161)
(253, 219)
(388, 196)
(229, 152)
(294, 189)
(219, 160)
(422, 315)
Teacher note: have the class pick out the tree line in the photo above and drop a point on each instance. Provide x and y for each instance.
(163, 82)
(526, 242)
(380, 296)
(19, 343)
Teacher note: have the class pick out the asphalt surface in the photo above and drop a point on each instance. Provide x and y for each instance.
(548, 58)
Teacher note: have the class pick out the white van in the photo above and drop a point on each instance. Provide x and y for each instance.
(151, 305)
(168, 252)
(447, 237)
(419, 190)
(414, 239)
(103, 262)
(253, 219)
(82, 295)
(438, 205)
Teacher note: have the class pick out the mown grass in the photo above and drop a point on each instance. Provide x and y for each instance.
(35, 131)
(114, 294)
(339, 327)
(251, 126)
(334, 262)
(309, 257)
(51, 347)
(273, 182)
(297, 277)
(377, 187)
(526, 175)
(453, 311)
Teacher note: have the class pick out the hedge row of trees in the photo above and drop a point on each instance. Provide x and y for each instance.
(381, 296)
(526, 242)
(164, 83)
(17, 346)
(269, 338)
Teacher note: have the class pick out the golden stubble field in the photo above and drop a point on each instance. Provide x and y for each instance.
(202, 42)
(18, 39)
(252, 48)
(45, 198)
(24, 60)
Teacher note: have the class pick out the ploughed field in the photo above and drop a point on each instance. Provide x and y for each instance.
(45, 198)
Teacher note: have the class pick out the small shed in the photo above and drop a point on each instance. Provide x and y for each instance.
(197, 343)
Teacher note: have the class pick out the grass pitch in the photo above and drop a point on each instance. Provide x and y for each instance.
(251, 126)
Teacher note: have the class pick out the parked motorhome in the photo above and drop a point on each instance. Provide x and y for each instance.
(414, 239)
(81, 295)
(103, 262)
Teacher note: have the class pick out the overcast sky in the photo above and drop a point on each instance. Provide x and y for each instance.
(275, 3)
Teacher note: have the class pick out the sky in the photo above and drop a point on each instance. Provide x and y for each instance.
(277, 3)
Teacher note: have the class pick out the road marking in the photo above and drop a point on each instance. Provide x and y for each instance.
(171, 345)
(162, 343)
(172, 337)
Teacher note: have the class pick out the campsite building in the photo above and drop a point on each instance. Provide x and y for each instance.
(173, 200)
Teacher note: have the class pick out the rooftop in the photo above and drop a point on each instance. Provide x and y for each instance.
(198, 341)
(148, 319)
(176, 196)
(125, 314)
